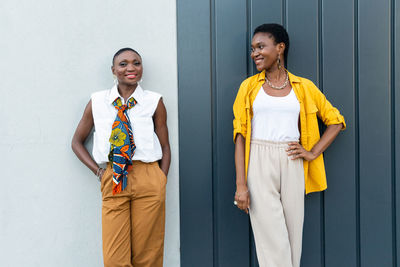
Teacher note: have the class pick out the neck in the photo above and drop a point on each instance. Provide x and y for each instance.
(126, 90)
(274, 74)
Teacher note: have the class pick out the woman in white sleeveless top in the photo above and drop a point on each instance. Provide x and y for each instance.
(278, 148)
(131, 158)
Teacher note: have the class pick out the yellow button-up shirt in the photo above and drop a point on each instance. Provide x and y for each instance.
(313, 103)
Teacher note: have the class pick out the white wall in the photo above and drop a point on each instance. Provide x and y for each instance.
(53, 55)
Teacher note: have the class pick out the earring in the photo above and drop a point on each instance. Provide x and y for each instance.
(115, 80)
(279, 62)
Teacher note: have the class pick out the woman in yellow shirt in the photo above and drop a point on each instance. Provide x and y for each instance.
(278, 148)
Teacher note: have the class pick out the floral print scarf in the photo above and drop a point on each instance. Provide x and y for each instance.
(122, 145)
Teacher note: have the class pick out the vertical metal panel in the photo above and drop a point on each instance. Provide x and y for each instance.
(375, 134)
(396, 116)
(357, 125)
(195, 147)
(265, 12)
(302, 26)
(338, 86)
(232, 225)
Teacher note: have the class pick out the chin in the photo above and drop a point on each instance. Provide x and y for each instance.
(131, 82)
(260, 68)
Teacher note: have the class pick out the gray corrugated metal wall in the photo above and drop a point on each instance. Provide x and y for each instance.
(347, 47)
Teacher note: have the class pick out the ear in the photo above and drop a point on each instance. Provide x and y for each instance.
(113, 70)
(281, 48)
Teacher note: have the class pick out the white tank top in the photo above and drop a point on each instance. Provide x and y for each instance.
(275, 118)
(148, 148)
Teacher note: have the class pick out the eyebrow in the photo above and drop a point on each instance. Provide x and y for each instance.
(127, 60)
(260, 42)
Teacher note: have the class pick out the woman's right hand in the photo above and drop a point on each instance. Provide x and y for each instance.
(81, 133)
(101, 174)
(242, 198)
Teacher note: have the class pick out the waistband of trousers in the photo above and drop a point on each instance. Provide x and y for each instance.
(137, 163)
(270, 143)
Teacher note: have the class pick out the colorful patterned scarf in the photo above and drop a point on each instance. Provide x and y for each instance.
(122, 148)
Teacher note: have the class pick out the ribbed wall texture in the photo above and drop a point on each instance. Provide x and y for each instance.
(350, 49)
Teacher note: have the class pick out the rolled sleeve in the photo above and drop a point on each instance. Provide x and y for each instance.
(326, 112)
(239, 112)
(238, 128)
(334, 117)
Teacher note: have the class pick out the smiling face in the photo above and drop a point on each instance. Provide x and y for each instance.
(265, 52)
(128, 68)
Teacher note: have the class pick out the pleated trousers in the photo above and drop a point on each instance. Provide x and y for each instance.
(276, 185)
(133, 221)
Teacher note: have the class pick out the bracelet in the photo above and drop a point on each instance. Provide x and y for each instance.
(242, 193)
(99, 172)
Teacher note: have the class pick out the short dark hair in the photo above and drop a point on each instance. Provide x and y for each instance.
(278, 32)
(123, 50)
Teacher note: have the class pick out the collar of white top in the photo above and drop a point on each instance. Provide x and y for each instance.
(137, 94)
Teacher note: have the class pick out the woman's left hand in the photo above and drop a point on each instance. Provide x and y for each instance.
(295, 151)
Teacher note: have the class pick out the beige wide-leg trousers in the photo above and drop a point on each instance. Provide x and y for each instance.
(133, 220)
(276, 185)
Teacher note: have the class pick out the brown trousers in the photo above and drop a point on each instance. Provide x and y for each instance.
(133, 220)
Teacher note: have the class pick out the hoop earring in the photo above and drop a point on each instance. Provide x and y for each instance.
(115, 80)
(279, 62)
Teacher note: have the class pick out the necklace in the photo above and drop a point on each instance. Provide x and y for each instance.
(277, 87)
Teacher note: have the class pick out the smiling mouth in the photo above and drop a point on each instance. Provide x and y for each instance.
(258, 60)
(131, 76)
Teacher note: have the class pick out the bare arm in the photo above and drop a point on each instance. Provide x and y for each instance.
(297, 151)
(239, 161)
(81, 133)
(242, 195)
(161, 129)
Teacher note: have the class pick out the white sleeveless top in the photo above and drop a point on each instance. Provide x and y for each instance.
(275, 118)
(148, 148)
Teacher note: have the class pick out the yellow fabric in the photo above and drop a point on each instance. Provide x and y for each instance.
(313, 103)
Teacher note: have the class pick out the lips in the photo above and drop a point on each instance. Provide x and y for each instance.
(258, 60)
(131, 76)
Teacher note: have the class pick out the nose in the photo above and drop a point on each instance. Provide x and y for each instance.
(254, 53)
(130, 67)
